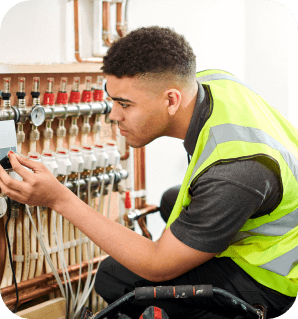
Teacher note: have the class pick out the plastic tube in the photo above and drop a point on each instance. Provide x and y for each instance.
(62, 257)
(82, 301)
(110, 194)
(101, 189)
(80, 255)
(46, 253)
(47, 144)
(86, 291)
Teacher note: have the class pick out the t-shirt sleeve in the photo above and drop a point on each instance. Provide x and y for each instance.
(223, 199)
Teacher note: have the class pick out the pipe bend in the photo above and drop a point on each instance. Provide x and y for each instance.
(77, 45)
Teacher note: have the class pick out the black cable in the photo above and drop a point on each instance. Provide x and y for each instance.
(237, 301)
(112, 307)
(10, 257)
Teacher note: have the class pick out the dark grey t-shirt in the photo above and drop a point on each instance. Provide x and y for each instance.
(225, 196)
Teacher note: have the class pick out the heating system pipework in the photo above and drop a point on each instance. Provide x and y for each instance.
(44, 257)
(58, 115)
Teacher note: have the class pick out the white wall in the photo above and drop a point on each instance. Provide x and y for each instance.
(270, 45)
(256, 40)
(31, 33)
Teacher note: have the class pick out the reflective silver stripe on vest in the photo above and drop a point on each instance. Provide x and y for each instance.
(283, 264)
(279, 227)
(220, 76)
(230, 132)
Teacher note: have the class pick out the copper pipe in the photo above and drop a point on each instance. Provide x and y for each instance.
(140, 183)
(37, 293)
(143, 225)
(106, 34)
(77, 40)
(143, 175)
(147, 210)
(142, 219)
(119, 25)
(126, 155)
(142, 167)
(43, 279)
(137, 176)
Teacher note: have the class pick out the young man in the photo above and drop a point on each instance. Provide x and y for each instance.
(233, 224)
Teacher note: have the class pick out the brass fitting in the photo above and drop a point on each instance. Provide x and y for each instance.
(97, 125)
(74, 129)
(110, 168)
(34, 134)
(73, 176)
(61, 178)
(48, 132)
(85, 173)
(21, 136)
(98, 170)
(61, 130)
(86, 127)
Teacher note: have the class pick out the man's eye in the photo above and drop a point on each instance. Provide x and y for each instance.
(123, 104)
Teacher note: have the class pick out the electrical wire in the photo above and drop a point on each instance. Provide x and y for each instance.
(10, 255)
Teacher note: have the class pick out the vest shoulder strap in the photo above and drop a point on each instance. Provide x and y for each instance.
(220, 76)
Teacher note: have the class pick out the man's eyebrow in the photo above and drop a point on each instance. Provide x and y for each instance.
(120, 99)
(117, 98)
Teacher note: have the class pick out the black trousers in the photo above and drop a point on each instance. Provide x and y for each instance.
(114, 280)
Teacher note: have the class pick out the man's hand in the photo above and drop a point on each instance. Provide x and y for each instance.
(40, 188)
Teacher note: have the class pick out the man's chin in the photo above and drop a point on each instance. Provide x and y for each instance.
(138, 143)
(135, 144)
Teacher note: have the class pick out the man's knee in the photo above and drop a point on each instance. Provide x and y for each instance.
(113, 280)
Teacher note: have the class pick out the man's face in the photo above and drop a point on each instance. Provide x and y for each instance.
(141, 113)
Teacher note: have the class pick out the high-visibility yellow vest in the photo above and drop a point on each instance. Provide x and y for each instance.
(242, 125)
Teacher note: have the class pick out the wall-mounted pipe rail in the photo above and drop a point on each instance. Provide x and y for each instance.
(45, 278)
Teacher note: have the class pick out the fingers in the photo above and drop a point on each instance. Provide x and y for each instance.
(17, 163)
(8, 181)
(10, 192)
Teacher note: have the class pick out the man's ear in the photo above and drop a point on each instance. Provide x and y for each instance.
(174, 99)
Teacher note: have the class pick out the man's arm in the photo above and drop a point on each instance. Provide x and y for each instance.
(155, 261)
(164, 260)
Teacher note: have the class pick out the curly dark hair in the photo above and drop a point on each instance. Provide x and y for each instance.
(150, 50)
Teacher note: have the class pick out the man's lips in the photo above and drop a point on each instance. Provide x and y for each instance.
(122, 132)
